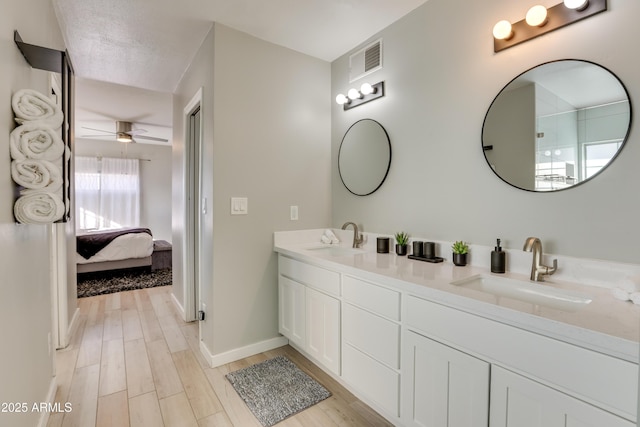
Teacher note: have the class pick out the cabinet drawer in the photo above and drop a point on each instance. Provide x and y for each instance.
(382, 301)
(378, 337)
(602, 380)
(372, 379)
(310, 275)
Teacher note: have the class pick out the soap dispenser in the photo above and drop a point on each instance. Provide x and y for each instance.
(498, 259)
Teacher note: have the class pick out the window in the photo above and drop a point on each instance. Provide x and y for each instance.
(107, 193)
(598, 154)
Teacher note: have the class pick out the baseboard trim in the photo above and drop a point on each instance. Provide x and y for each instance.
(51, 397)
(216, 360)
(179, 307)
(73, 325)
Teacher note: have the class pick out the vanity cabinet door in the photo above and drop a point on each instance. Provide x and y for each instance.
(323, 329)
(443, 387)
(291, 324)
(517, 401)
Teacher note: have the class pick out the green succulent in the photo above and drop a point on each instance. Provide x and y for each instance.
(460, 247)
(402, 238)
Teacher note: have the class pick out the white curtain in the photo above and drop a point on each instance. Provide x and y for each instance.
(87, 193)
(107, 193)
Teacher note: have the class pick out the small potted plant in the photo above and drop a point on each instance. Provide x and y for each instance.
(460, 251)
(402, 243)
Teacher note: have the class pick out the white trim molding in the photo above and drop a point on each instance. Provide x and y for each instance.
(178, 305)
(51, 397)
(191, 207)
(216, 360)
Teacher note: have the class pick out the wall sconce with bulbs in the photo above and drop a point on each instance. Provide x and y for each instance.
(356, 97)
(540, 20)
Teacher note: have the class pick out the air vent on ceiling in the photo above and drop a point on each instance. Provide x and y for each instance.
(365, 61)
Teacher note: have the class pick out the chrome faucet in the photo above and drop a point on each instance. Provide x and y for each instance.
(357, 238)
(538, 270)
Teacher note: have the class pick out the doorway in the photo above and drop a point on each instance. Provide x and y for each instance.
(196, 207)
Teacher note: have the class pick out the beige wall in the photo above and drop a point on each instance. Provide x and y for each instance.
(441, 76)
(155, 179)
(266, 115)
(25, 300)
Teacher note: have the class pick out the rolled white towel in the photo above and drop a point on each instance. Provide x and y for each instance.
(630, 284)
(36, 174)
(38, 208)
(36, 141)
(332, 237)
(325, 239)
(635, 298)
(31, 105)
(620, 294)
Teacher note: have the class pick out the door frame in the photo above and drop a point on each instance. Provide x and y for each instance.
(194, 209)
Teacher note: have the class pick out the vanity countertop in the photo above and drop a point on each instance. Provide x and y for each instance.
(606, 325)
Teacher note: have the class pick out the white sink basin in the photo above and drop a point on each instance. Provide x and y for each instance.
(337, 251)
(530, 292)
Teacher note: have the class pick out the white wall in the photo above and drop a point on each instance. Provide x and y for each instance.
(25, 300)
(441, 75)
(266, 116)
(155, 179)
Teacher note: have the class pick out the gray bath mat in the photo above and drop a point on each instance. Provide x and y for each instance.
(276, 389)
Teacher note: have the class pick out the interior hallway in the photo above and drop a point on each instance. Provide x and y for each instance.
(134, 362)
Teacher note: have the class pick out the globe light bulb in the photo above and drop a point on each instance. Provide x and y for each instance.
(502, 30)
(341, 99)
(537, 16)
(576, 4)
(353, 94)
(366, 89)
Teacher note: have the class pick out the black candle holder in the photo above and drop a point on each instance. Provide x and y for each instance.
(382, 245)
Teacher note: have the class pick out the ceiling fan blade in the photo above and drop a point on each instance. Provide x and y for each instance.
(151, 138)
(135, 132)
(99, 130)
(96, 136)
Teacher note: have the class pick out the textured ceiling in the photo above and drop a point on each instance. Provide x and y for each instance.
(100, 104)
(149, 43)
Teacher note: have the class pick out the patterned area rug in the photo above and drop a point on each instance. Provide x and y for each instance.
(108, 282)
(276, 389)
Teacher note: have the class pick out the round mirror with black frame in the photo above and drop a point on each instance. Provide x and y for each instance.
(364, 157)
(556, 125)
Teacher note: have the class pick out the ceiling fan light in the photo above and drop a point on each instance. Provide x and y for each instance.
(124, 137)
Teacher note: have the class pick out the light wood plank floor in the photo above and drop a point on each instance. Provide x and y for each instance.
(133, 362)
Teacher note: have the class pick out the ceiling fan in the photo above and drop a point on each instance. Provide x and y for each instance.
(124, 133)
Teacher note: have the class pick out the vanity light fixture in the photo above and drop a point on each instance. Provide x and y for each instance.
(539, 20)
(355, 97)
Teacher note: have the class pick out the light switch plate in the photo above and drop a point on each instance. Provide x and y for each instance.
(293, 210)
(239, 206)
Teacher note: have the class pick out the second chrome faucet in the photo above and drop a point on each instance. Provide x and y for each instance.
(538, 270)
